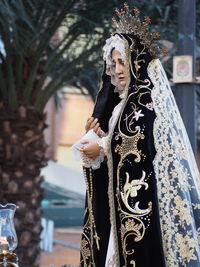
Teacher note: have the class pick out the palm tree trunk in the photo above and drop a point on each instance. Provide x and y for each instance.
(22, 155)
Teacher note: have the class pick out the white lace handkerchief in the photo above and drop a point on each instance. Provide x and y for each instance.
(86, 162)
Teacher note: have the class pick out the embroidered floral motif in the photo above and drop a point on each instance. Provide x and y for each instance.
(131, 190)
(134, 220)
(135, 185)
(84, 249)
(132, 217)
(132, 226)
(129, 145)
(138, 114)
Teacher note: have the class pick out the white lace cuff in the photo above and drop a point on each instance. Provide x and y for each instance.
(94, 164)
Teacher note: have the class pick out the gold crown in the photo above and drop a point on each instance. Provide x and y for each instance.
(128, 23)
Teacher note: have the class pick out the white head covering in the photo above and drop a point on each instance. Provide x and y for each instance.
(117, 43)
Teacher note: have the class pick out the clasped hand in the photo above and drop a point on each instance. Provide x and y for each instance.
(91, 149)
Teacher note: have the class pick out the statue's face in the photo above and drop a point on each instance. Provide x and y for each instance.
(119, 68)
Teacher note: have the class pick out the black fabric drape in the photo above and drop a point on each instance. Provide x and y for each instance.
(132, 153)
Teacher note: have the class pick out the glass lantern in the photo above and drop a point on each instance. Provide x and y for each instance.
(8, 237)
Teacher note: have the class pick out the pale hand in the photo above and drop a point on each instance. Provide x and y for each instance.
(91, 149)
(93, 123)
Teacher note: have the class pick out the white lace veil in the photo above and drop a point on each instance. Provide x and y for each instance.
(178, 181)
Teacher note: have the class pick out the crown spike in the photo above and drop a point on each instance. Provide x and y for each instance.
(126, 7)
(164, 52)
(114, 20)
(136, 11)
(147, 20)
(117, 11)
(156, 35)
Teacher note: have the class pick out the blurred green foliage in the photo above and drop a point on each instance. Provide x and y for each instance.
(31, 52)
(164, 19)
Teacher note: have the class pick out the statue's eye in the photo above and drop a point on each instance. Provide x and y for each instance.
(121, 61)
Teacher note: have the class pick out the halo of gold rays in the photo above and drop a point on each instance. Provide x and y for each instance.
(129, 22)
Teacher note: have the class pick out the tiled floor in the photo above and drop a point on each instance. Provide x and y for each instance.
(63, 255)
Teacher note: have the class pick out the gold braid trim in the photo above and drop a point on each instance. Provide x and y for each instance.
(86, 244)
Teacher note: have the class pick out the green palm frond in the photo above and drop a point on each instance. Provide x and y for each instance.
(30, 54)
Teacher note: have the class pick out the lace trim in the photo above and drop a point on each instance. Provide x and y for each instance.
(177, 177)
(86, 162)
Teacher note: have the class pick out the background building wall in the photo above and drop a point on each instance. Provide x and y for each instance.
(66, 125)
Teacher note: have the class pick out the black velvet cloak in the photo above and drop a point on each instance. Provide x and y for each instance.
(124, 190)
